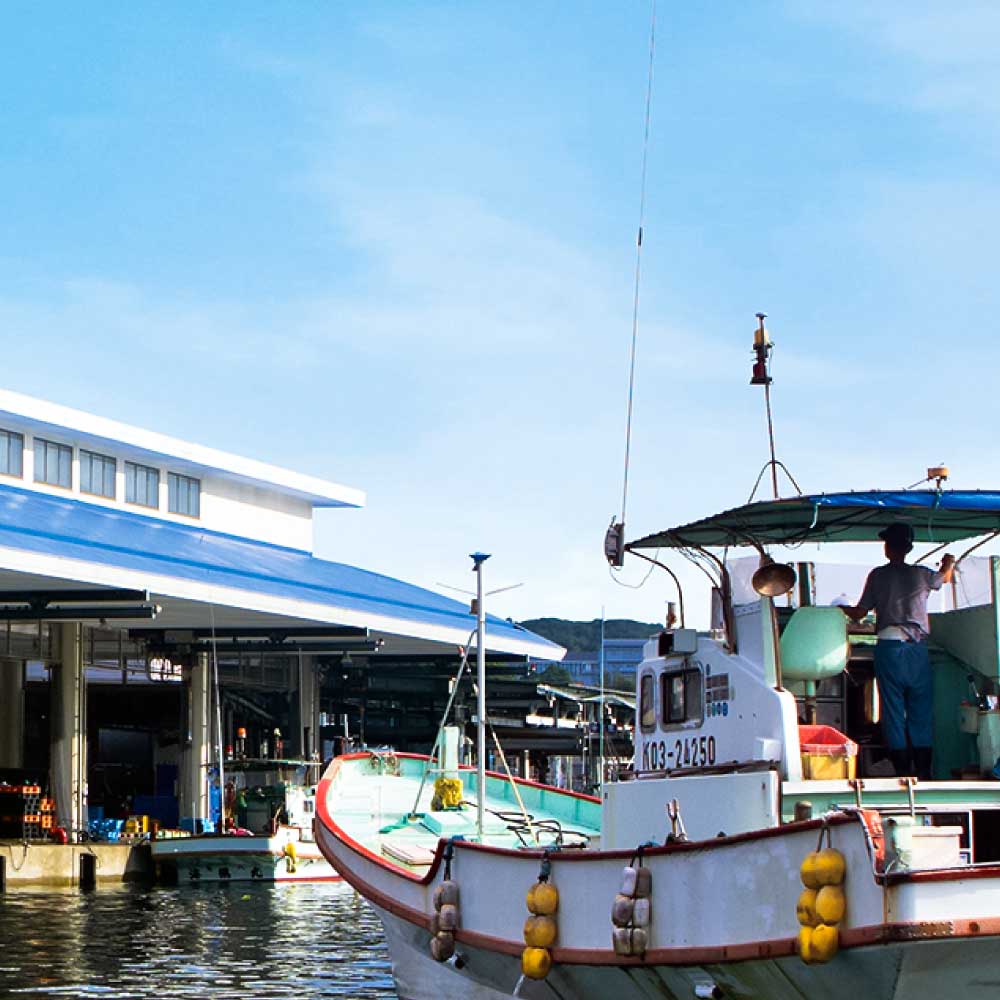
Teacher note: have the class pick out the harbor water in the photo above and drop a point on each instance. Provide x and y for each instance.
(234, 941)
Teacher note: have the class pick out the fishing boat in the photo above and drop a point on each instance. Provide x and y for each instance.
(741, 854)
(270, 806)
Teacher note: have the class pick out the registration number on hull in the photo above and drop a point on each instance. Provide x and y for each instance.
(690, 751)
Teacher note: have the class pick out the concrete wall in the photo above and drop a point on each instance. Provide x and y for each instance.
(59, 864)
(252, 512)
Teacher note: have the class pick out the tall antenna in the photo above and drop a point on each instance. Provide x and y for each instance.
(614, 540)
(478, 558)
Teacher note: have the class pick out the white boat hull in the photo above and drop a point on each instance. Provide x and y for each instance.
(243, 859)
(911, 970)
(723, 911)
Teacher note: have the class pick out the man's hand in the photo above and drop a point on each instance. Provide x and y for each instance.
(947, 569)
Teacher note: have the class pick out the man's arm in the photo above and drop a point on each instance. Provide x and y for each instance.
(856, 613)
(947, 569)
(865, 603)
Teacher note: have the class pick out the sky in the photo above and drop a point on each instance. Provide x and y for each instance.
(393, 245)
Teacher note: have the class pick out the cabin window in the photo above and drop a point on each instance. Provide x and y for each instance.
(142, 485)
(682, 697)
(11, 453)
(53, 463)
(184, 495)
(97, 474)
(647, 703)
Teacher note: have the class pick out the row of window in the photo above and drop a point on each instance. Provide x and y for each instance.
(54, 467)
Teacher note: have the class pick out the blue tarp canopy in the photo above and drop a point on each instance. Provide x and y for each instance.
(936, 516)
(45, 538)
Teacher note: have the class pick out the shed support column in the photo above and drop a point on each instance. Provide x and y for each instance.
(308, 714)
(69, 732)
(11, 713)
(195, 758)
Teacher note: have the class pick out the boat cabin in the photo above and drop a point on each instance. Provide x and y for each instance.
(262, 795)
(779, 698)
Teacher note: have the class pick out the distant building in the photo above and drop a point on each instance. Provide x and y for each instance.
(621, 657)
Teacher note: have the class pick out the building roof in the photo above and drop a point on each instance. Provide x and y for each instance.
(48, 541)
(26, 411)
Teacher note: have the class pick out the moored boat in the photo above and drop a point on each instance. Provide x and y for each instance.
(733, 793)
(270, 810)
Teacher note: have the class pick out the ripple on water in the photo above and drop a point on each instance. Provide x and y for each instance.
(220, 942)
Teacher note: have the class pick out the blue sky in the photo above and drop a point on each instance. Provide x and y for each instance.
(392, 244)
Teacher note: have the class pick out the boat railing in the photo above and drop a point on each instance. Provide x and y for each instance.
(628, 773)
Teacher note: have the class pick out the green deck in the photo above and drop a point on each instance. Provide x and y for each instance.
(377, 808)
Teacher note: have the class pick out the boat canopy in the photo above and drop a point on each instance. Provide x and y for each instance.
(937, 516)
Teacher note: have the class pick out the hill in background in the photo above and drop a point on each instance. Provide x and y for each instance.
(585, 637)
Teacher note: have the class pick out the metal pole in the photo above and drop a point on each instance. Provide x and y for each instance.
(600, 782)
(219, 737)
(770, 439)
(478, 558)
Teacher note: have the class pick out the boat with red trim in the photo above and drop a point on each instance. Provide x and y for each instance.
(750, 850)
(270, 805)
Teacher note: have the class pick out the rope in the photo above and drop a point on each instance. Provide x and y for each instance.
(638, 259)
(513, 785)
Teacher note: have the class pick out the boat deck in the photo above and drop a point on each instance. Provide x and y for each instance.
(383, 813)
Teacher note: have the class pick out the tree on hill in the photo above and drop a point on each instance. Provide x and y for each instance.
(555, 674)
(585, 637)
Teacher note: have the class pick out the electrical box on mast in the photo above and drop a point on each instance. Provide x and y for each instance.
(614, 544)
(762, 350)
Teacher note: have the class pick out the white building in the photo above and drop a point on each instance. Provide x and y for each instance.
(110, 530)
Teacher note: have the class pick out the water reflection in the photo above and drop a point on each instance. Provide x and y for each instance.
(235, 941)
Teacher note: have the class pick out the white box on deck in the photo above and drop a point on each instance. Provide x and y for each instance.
(636, 811)
(922, 847)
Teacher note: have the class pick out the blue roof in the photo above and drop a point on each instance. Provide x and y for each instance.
(935, 515)
(74, 529)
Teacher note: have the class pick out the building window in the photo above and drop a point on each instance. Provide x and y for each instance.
(97, 474)
(142, 485)
(53, 463)
(184, 495)
(11, 453)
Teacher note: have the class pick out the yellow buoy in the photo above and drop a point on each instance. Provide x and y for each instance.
(830, 867)
(536, 962)
(805, 909)
(805, 945)
(543, 899)
(830, 904)
(825, 941)
(809, 871)
(539, 932)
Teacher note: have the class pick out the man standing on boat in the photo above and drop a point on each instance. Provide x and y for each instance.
(898, 592)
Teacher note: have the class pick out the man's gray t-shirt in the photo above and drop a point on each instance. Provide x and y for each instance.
(898, 593)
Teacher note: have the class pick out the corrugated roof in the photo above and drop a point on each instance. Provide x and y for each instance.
(72, 539)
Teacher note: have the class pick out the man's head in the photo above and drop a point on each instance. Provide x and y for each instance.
(898, 538)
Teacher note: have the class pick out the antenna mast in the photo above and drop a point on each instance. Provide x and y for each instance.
(761, 375)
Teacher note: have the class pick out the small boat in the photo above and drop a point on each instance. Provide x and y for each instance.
(271, 804)
(740, 855)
